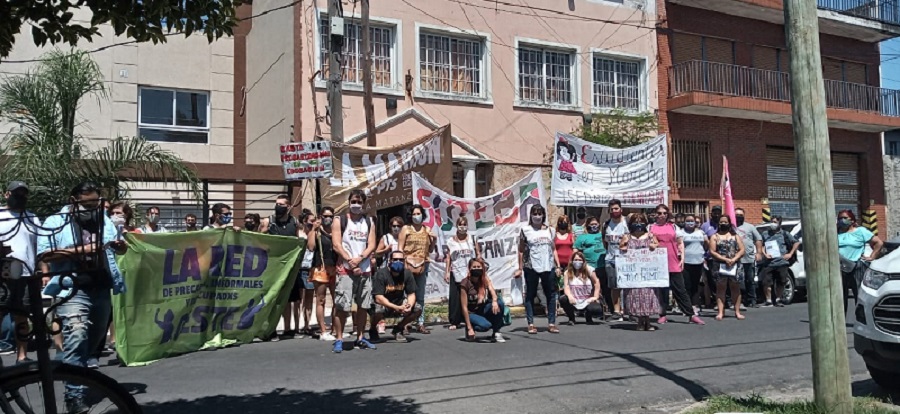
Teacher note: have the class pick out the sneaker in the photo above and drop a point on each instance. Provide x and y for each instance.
(338, 346)
(76, 406)
(272, 338)
(767, 304)
(696, 310)
(398, 336)
(696, 319)
(753, 305)
(373, 335)
(29, 360)
(93, 363)
(364, 344)
(498, 338)
(743, 308)
(662, 320)
(617, 317)
(381, 326)
(346, 335)
(289, 334)
(779, 303)
(326, 337)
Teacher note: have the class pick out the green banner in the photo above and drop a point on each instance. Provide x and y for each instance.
(190, 291)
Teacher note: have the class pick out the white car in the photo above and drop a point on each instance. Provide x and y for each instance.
(796, 287)
(876, 332)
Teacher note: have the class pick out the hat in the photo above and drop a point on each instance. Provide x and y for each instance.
(15, 185)
(717, 208)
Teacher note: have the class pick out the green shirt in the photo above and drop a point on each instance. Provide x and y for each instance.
(592, 247)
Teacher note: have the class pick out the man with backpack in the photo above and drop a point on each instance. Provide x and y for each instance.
(779, 249)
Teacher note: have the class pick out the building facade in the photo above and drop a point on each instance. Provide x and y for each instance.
(725, 90)
(506, 77)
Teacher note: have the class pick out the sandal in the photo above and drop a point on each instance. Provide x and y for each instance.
(553, 329)
(532, 330)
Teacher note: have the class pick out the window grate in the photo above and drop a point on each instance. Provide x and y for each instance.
(381, 42)
(616, 84)
(450, 65)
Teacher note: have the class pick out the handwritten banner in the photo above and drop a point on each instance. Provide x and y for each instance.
(495, 221)
(190, 291)
(305, 160)
(588, 174)
(643, 268)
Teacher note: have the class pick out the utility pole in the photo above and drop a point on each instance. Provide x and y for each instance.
(367, 76)
(828, 332)
(335, 70)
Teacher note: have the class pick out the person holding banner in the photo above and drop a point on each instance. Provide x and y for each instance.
(640, 303)
(221, 217)
(415, 241)
(537, 258)
(616, 228)
(582, 290)
(727, 249)
(672, 239)
(481, 306)
(462, 249)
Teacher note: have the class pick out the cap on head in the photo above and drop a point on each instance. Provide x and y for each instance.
(717, 208)
(15, 185)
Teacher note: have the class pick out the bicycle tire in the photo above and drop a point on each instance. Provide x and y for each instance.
(95, 381)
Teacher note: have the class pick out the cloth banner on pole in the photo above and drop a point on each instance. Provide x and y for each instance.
(643, 268)
(588, 174)
(725, 192)
(495, 221)
(191, 291)
(305, 160)
(384, 173)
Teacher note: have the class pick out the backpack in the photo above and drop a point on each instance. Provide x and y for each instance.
(346, 219)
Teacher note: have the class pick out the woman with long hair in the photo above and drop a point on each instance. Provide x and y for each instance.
(122, 214)
(537, 260)
(582, 290)
(389, 242)
(328, 259)
(640, 303)
(726, 249)
(563, 246)
(671, 238)
(461, 249)
(852, 241)
(482, 308)
(415, 241)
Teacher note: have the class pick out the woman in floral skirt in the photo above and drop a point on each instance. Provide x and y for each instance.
(640, 303)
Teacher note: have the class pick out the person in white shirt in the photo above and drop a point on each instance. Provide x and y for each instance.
(152, 225)
(537, 262)
(18, 233)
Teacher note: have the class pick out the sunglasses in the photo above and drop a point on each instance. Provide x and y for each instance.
(395, 260)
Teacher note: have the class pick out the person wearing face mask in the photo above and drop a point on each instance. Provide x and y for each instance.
(671, 238)
(640, 303)
(753, 247)
(580, 219)
(80, 244)
(388, 242)
(251, 222)
(190, 223)
(679, 220)
(563, 247)
(324, 285)
(616, 227)
(416, 241)
(581, 290)
(727, 249)
(152, 225)
(221, 217)
(461, 249)
(18, 232)
(282, 223)
(591, 244)
(122, 215)
(482, 307)
(304, 288)
(537, 259)
(852, 241)
(394, 293)
(779, 247)
(712, 226)
(695, 244)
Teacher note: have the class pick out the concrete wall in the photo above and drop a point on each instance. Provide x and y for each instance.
(892, 189)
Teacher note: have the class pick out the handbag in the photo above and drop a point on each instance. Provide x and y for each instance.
(847, 266)
(319, 274)
(417, 269)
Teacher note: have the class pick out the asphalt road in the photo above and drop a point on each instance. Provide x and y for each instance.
(602, 368)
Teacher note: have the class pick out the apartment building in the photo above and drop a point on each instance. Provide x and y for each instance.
(506, 76)
(181, 95)
(725, 90)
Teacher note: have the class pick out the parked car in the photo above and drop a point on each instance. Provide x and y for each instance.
(876, 333)
(796, 285)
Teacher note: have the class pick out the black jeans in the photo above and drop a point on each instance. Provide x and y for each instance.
(851, 281)
(692, 274)
(456, 315)
(676, 283)
(593, 309)
(548, 284)
(748, 291)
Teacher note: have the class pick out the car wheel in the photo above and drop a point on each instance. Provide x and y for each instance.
(788, 296)
(887, 380)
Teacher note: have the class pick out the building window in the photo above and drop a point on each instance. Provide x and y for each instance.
(451, 65)
(617, 83)
(546, 76)
(893, 147)
(699, 209)
(481, 180)
(691, 167)
(381, 40)
(167, 115)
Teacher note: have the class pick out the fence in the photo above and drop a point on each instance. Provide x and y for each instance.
(885, 11)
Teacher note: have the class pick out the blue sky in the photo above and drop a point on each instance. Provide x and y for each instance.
(890, 64)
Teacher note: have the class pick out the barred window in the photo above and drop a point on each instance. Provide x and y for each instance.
(691, 167)
(617, 83)
(451, 65)
(381, 41)
(546, 76)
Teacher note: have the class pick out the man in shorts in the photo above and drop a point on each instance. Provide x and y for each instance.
(394, 292)
(18, 234)
(354, 241)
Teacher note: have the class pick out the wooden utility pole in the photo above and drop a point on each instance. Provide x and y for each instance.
(367, 76)
(335, 70)
(828, 332)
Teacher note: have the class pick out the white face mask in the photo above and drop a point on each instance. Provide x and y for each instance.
(417, 219)
(537, 219)
(577, 264)
(356, 208)
(118, 220)
(462, 230)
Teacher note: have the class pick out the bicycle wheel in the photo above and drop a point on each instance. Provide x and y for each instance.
(22, 392)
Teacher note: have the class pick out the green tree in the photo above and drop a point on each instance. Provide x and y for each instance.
(619, 129)
(142, 20)
(44, 150)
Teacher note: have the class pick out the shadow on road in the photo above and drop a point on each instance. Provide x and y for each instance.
(868, 388)
(281, 401)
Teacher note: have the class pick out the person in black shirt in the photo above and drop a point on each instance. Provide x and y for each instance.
(324, 250)
(394, 291)
(482, 307)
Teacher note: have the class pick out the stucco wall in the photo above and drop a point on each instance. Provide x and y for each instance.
(892, 192)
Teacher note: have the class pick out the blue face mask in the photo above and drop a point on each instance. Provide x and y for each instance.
(397, 267)
(225, 219)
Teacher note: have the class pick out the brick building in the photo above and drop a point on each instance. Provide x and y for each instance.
(725, 90)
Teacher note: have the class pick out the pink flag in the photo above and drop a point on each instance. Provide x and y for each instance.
(725, 192)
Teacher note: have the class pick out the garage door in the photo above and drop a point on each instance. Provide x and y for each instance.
(783, 186)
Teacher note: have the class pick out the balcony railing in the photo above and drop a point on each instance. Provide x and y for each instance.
(742, 81)
(885, 11)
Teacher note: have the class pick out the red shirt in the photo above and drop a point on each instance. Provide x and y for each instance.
(564, 248)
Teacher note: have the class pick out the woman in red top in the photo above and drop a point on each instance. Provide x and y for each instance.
(563, 243)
